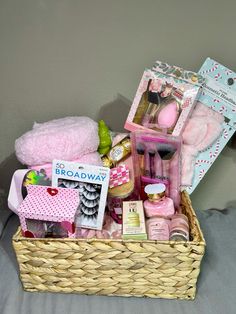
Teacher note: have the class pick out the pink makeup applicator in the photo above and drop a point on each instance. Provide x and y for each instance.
(167, 116)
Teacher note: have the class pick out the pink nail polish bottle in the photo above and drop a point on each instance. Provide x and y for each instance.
(157, 204)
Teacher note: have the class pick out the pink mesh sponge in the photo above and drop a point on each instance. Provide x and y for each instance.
(68, 139)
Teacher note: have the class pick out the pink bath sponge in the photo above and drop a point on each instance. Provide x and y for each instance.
(68, 138)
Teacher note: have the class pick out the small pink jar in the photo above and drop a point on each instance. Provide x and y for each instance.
(157, 203)
(179, 228)
(158, 228)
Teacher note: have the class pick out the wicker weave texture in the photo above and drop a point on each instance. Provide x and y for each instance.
(163, 269)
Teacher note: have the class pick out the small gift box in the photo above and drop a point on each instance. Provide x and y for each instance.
(119, 176)
(48, 211)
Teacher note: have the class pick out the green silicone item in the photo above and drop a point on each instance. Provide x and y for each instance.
(104, 137)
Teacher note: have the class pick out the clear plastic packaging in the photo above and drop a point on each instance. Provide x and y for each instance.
(45, 229)
(156, 159)
(164, 100)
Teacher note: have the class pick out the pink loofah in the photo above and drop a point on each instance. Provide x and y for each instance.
(67, 138)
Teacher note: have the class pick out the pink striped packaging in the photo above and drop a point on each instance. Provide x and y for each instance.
(119, 176)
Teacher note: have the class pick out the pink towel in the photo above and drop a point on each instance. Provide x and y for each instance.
(68, 138)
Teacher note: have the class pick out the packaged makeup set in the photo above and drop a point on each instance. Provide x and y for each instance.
(157, 160)
(164, 99)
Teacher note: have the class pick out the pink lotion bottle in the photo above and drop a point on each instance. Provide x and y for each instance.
(157, 204)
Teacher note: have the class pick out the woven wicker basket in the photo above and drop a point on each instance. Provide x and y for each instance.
(159, 269)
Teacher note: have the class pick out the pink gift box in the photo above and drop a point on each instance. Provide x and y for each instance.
(119, 176)
(48, 207)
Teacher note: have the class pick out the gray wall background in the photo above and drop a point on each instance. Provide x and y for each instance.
(60, 58)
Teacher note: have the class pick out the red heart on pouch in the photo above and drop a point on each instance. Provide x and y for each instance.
(68, 226)
(52, 191)
(28, 234)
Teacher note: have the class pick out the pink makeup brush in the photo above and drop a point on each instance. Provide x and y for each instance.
(152, 163)
(166, 152)
(141, 158)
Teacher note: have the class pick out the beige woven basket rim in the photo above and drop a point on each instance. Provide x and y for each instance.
(197, 240)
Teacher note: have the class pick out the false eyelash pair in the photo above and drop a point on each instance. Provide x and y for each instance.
(90, 188)
(91, 196)
(89, 217)
(89, 200)
(62, 183)
(90, 211)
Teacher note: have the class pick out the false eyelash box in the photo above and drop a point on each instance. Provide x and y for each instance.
(92, 183)
(48, 211)
(164, 100)
(218, 94)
